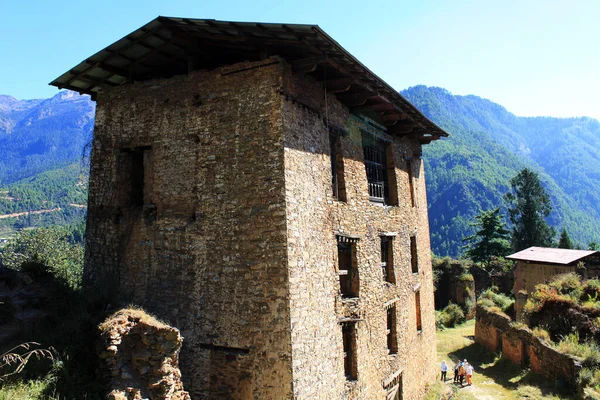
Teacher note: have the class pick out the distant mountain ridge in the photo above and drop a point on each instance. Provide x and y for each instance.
(488, 146)
(42, 134)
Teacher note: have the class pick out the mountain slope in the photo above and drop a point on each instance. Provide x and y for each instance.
(39, 135)
(471, 170)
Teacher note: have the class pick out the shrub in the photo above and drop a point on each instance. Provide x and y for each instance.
(569, 285)
(450, 316)
(45, 251)
(486, 303)
(542, 334)
(501, 300)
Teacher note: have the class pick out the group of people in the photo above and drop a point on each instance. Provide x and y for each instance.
(462, 370)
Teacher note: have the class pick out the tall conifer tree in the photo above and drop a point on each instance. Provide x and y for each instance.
(529, 205)
(491, 239)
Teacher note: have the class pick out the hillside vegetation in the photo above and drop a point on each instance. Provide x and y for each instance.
(471, 170)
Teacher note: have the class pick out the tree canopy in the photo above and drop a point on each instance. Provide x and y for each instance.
(529, 205)
(491, 239)
(565, 241)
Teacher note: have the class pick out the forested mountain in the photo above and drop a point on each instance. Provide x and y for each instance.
(39, 135)
(471, 170)
(42, 142)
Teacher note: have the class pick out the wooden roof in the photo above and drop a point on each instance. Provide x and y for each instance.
(551, 255)
(168, 46)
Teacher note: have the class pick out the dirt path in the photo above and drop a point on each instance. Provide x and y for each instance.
(20, 214)
(493, 378)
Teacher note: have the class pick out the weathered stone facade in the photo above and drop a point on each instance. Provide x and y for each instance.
(229, 233)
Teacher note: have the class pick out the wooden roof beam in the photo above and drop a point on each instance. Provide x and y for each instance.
(339, 85)
(306, 65)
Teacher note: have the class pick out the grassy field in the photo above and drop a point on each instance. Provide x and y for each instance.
(494, 378)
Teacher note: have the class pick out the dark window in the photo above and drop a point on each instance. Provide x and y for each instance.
(347, 269)
(379, 168)
(135, 166)
(392, 338)
(337, 167)
(418, 310)
(411, 189)
(414, 260)
(387, 259)
(349, 340)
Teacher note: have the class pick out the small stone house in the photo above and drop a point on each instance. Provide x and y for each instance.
(537, 265)
(259, 188)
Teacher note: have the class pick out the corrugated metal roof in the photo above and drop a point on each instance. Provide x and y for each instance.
(551, 255)
(168, 46)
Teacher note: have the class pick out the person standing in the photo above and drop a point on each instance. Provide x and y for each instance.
(444, 370)
(461, 373)
(469, 371)
(456, 371)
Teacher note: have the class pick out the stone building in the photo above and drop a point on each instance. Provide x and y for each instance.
(537, 265)
(259, 188)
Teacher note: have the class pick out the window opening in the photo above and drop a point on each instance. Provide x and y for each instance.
(387, 259)
(411, 189)
(379, 169)
(348, 271)
(337, 167)
(414, 260)
(418, 310)
(392, 337)
(136, 164)
(349, 342)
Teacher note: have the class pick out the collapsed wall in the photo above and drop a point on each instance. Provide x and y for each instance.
(140, 357)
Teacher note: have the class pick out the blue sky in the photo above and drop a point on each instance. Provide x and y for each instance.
(533, 57)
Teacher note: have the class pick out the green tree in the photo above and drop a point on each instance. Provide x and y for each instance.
(565, 241)
(529, 205)
(594, 246)
(45, 251)
(491, 239)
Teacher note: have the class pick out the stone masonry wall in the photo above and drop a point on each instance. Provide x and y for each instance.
(314, 217)
(207, 249)
(521, 347)
(234, 242)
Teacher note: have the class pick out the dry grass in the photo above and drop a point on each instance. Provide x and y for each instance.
(132, 313)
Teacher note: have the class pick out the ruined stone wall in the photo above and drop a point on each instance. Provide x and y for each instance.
(527, 275)
(521, 347)
(207, 249)
(314, 217)
(140, 357)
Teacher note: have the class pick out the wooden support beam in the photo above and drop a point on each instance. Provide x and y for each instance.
(309, 64)
(403, 127)
(353, 100)
(339, 85)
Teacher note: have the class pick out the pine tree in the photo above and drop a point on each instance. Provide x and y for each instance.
(529, 206)
(565, 241)
(491, 239)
